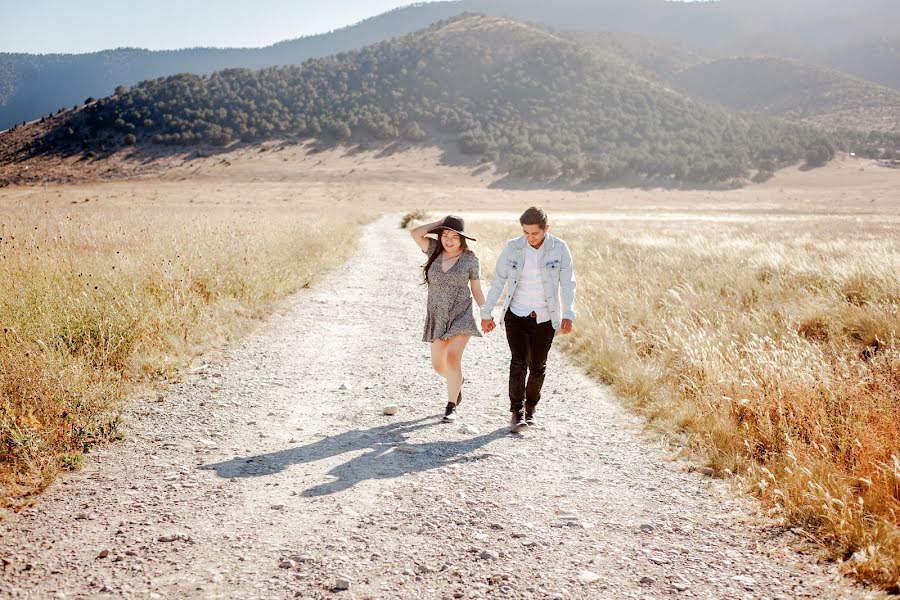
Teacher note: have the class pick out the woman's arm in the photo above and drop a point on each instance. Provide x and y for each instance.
(418, 234)
(476, 291)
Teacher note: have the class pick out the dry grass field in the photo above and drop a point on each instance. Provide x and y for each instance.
(771, 344)
(757, 327)
(109, 290)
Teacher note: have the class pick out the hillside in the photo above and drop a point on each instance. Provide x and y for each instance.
(533, 102)
(796, 91)
(642, 55)
(877, 61)
(36, 85)
(847, 36)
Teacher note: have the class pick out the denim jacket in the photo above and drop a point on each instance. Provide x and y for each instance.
(557, 275)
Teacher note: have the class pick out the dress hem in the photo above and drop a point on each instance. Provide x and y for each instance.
(444, 338)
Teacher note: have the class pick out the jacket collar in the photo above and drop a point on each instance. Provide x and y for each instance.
(549, 242)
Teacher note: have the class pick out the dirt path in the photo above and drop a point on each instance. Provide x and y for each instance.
(260, 477)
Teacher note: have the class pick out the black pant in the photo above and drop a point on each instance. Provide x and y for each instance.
(529, 342)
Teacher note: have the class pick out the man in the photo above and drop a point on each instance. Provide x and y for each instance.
(537, 271)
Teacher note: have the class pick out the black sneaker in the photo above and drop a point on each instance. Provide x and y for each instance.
(449, 413)
(517, 423)
(529, 418)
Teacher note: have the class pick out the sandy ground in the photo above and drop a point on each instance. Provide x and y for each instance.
(270, 471)
(387, 180)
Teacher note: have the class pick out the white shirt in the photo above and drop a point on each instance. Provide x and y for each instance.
(529, 295)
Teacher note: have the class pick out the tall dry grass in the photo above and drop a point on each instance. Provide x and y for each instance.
(96, 302)
(770, 346)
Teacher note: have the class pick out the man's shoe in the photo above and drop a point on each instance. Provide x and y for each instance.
(449, 413)
(517, 423)
(529, 418)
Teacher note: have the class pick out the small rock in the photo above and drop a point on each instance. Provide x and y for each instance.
(302, 558)
(588, 577)
(707, 471)
(103, 554)
(646, 580)
(646, 527)
(342, 582)
(287, 564)
(744, 580)
(680, 586)
(278, 507)
(391, 409)
(659, 560)
(344, 386)
(488, 555)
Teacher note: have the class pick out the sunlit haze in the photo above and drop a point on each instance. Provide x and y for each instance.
(57, 26)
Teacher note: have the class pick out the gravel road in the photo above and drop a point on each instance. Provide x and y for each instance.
(269, 471)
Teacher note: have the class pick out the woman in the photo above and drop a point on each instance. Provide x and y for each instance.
(450, 272)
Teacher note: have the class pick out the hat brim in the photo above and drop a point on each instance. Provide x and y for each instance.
(439, 229)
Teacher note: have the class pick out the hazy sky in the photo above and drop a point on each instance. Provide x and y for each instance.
(44, 26)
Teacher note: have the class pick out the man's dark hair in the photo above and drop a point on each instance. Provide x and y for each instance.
(534, 216)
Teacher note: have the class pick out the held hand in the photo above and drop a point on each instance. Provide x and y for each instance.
(487, 325)
(565, 327)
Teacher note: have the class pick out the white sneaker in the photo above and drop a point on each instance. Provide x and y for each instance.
(449, 413)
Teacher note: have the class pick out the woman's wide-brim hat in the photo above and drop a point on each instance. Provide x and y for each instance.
(455, 224)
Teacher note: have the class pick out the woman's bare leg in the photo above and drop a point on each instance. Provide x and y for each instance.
(439, 356)
(454, 376)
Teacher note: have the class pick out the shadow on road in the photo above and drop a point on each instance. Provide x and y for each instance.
(389, 455)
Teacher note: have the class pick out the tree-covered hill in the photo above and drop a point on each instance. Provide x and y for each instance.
(849, 36)
(32, 85)
(642, 55)
(530, 100)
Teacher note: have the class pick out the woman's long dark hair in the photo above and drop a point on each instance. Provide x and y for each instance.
(437, 252)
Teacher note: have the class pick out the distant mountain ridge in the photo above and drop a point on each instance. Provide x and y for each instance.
(35, 85)
(795, 91)
(857, 37)
(533, 102)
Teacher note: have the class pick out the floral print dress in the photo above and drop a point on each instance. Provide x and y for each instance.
(449, 297)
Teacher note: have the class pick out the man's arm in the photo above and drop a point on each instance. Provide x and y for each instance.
(567, 285)
(497, 284)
